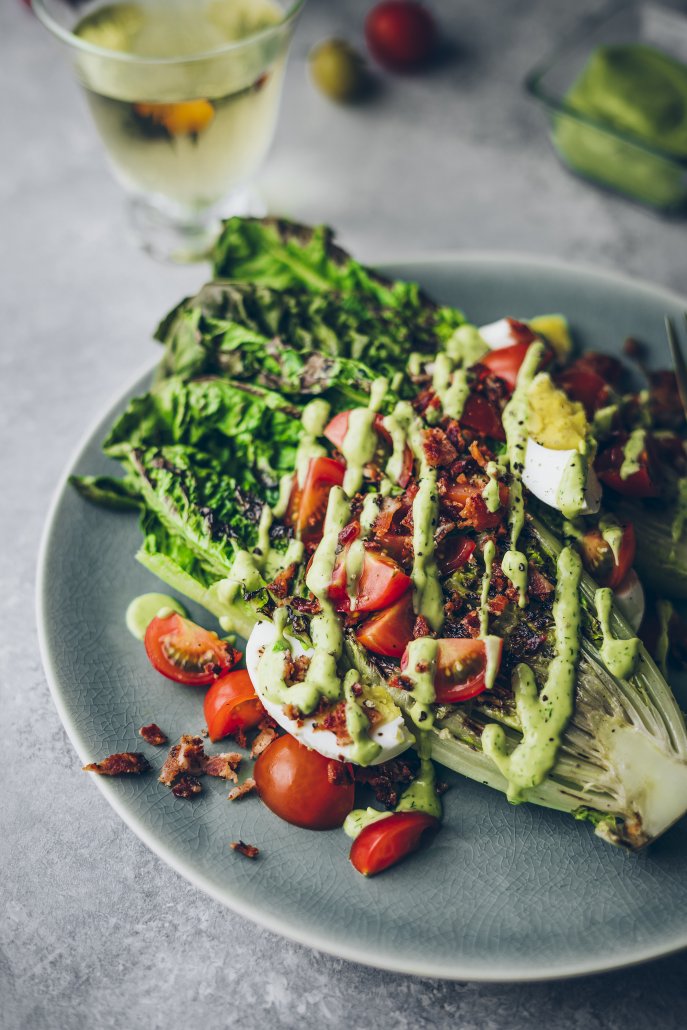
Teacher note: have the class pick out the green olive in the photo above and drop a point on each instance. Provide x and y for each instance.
(338, 70)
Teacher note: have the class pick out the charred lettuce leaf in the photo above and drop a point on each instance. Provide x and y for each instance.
(297, 343)
(247, 431)
(109, 492)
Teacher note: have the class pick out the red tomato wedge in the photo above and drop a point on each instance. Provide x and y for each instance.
(461, 668)
(643, 483)
(387, 841)
(483, 417)
(382, 581)
(338, 427)
(599, 560)
(473, 508)
(505, 362)
(294, 782)
(187, 653)
(308, 506)
(231, 704)
(389, 632)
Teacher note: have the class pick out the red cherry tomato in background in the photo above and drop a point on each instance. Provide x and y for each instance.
(388, 841)
(454, 552)
(308, 506)
(187, 653)
(231, 704)
(643, 483)
(400, 34)
(294, 783)
(336, 431)
(389, 632)
(483, 417)
(599, 560)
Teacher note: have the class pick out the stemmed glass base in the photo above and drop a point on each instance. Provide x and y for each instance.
(170, 233)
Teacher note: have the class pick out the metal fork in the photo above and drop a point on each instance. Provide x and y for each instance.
(678, 357)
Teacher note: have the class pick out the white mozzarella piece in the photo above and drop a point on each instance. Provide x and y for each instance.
(498, 334)
(544, 470)
(629, 597)
(393, 735)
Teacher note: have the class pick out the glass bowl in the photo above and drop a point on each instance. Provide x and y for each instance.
(598, 150)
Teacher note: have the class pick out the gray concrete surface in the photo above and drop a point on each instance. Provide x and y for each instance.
(95, 932)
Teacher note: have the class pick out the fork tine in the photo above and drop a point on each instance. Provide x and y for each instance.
(678, 357)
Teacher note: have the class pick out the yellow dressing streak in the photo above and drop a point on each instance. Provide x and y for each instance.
(619, 656)
(543, 717)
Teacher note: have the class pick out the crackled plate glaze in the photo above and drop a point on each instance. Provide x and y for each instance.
(504, 893)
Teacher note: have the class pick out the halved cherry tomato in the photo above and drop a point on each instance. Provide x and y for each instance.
(454, 551)
(308, 506)
(505, 362)
(336, 433)
(231, 704)
(384, 843)
(479, 515)
(187, 653)
(294, 783)
(461, 668)
(643, 483)
(483, 417)
(381, 582)
(389, 632)
(599, 560)
(586, 386)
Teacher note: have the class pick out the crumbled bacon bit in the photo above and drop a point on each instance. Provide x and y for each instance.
(248, 850)
(291, 712)
(349, 533)
(438, 448)
(480, 453)
(421, 628)
(224, 765)
(334, 719)
(188, 756)
(498, 604)
(281, 584)
(124, 763)
(242, 789)
(263, 741)
(338, 773)
(152, 734)
(295, 669)
(382, 524)
(187, 787)
(306, 605)
(538, 585)
(388, 779)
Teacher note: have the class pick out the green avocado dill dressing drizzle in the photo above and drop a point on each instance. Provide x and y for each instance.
(570, 496)
(314, 418)
(612, 533)
(619, 656)
(360, 442)
(421, 795)
(450, 384)
(515, 417)
(488, 554)
(420, 670)
(144, 608)
(636, 442)
(490, 493)
(680, 516)
(543, 716)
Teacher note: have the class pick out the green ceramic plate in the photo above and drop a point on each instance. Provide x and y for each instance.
(504, 893)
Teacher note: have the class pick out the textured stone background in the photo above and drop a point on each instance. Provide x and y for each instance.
(95, 932)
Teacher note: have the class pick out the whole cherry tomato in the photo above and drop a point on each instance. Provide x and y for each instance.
(400, 34)
(296, 784)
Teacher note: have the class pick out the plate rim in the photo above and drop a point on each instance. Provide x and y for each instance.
(483, 971)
